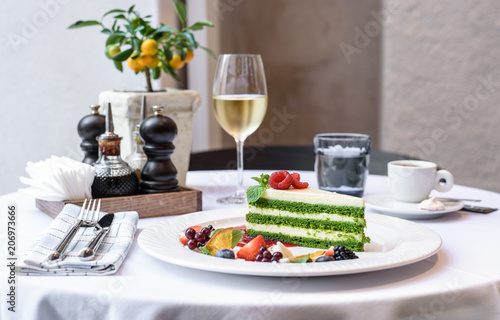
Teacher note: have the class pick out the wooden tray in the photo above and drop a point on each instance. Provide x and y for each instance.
(147, 205)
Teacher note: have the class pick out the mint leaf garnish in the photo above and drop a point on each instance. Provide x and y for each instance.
(205, 250)
(263, 180)
(236, 237)
(301, 260)
(255, 192)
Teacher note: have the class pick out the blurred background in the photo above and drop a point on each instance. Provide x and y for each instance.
(422, 78)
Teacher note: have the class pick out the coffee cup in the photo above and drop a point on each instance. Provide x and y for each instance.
(413, 180)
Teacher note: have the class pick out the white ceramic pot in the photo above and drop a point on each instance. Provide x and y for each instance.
(179, 105)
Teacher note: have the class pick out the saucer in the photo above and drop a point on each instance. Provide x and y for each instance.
(385, 204)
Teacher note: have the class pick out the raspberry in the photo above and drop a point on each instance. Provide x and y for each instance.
(296, 182)
(280, 180)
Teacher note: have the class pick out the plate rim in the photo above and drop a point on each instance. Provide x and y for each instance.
(240, 267)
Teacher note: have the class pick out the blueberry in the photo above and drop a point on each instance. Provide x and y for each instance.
(225, 254)
(324, 259)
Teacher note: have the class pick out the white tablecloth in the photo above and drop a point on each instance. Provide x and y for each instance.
(462, 281)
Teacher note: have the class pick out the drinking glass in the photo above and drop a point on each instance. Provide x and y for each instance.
(240, 104)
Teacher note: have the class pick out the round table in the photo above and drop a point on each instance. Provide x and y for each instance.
(461, 281)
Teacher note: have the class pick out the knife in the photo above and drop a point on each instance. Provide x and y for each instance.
(102, 229)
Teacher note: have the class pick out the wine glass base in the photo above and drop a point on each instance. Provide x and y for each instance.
(233, 200)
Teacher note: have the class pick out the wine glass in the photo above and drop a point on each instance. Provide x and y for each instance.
(240, 104)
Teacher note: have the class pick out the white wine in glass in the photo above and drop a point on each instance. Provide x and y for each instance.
(240, 104)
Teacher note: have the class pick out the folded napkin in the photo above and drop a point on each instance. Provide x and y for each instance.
(109, 256)
(59, 178)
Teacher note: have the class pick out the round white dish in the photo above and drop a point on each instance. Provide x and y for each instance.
(385, 204)
(394, 242)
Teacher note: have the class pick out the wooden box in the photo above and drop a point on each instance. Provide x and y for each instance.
(147, 205)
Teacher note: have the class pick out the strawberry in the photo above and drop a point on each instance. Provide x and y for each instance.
(251, 249)
(281, 180)
(296, 182)
(329, 252)
(184, 240)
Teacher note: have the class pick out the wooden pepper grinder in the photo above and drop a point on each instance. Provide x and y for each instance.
(89, 128)
(159, 173)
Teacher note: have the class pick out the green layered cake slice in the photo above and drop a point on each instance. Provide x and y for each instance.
(308, 217)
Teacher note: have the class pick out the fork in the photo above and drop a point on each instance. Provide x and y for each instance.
(89, 219)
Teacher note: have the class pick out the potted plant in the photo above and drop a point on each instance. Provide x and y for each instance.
(133, 41)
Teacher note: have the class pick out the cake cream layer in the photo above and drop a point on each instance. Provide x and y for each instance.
(313, 196)
(317, 216)
(308, 237)
(303, 232)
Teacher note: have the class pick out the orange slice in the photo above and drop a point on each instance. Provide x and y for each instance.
(220, 240)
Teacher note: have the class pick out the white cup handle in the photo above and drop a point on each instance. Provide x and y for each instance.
(448, 181)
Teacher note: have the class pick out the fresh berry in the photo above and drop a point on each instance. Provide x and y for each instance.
(342, 253)
(329, 252)
(225, 254)
(267, 255)
(324, 259)
(265, 260)
(296, 182)
(190, 232)
(277, 255)
(184, 240)
(262, 249)
(259, 257)
(281, 180)
(200, 237)
(211, 227)
(192, 244)
(206, 232)
(251, 249)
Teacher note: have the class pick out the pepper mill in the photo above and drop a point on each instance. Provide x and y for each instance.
(89, 128)
(137, 158)
(159, 173)
(113, 176)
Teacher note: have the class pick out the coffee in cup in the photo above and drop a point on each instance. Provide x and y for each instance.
(413, 180)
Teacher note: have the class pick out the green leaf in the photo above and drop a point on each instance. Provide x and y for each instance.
(236, 237)
(180, 8)
(210, 52)
(263, 180)
(205, 250)
(200, 24)
(131, 9)
(139, 28)
(156, 73)
(171, 72)
(114, 38)
(164, 28)
(183, 55)
(301, 260)
(118, 65)
(106, 31)
(81, 24)
(120, 16)
(254, 193)
(113, 11)
(168, 54)
(190, 37)
(135, 55)
(129, 28)
(122, 56)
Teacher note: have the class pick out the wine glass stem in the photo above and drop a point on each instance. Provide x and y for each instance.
(240, 191)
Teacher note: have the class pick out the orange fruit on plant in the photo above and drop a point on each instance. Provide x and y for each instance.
(189, 56)
(155, 61)
(176, 62)
(112, 50)
(149, 47)
(144, 60)
(134, 64)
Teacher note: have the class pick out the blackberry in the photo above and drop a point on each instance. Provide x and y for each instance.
(342, 253)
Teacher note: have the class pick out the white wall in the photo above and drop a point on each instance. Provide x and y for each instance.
(441, 90)
(49, 76)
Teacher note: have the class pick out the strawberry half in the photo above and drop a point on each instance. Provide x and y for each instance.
(251, 249)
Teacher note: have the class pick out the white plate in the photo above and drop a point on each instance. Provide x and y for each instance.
(385, 203)
(394, 242)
